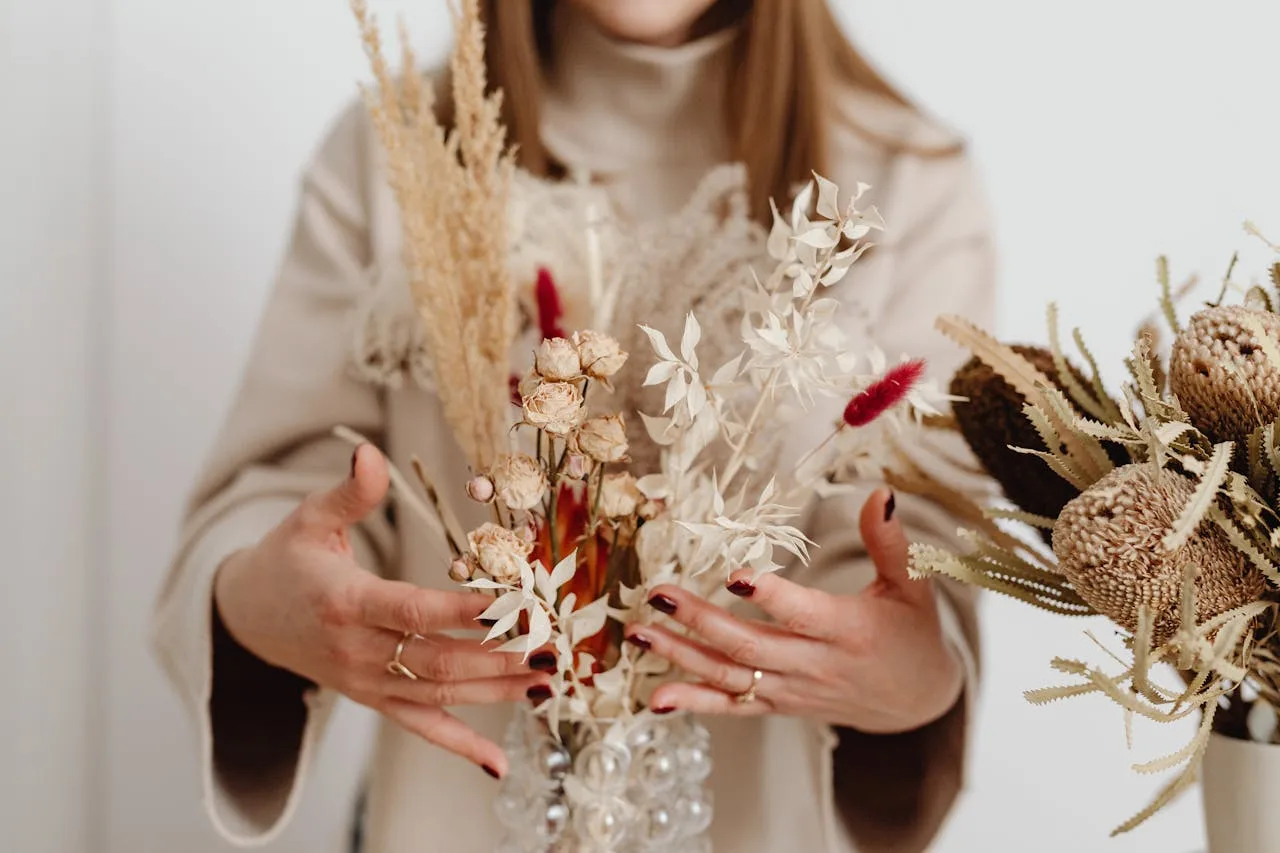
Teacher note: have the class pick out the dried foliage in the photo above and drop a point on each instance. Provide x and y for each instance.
(1171, 525)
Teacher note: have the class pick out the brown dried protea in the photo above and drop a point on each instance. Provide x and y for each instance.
(992, 423)
(1110, 545)
(1222, 376)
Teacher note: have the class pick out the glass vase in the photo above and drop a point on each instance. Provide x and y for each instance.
(643, 789)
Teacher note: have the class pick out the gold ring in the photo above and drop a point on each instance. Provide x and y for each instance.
(395, 667)
(749, 695)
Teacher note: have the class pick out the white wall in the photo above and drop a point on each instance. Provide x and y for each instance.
(1109, 132)
(51, 250)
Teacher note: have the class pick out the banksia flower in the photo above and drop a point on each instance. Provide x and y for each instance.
(1221, 375)
(992, 423)
(1109, 542)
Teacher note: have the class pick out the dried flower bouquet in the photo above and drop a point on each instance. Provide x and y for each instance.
(1161, 507)
(576, 538)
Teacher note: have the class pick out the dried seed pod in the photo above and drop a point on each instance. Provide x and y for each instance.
(993, 423)
(1222, 376)
(1109, 542)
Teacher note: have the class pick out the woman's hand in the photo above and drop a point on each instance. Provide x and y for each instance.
(876, 661)
(298, 600)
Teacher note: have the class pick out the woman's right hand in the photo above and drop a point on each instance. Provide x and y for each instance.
(300, 601)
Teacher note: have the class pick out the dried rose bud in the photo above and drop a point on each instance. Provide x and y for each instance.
(520, 481)
(576, 466)
(619, 497)
(554, 407)
(527, 386)
(557, 360)
(604, 439)
(500, 552)
(480, 489)
(461, 570)
(600, 354)
(527, 531)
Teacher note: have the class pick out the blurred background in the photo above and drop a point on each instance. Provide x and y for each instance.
(149, 151)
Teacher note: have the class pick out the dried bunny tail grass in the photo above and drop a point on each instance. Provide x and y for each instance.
(453, 189)
(1225, 371)
(1113, 545)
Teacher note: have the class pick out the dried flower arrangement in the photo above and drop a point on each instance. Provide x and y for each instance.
(576, 537)
(1161, 509)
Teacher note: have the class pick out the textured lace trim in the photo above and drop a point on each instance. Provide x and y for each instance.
(665, 269)
(696, 260)
(388, 341)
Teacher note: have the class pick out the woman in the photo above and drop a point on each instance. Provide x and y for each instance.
(289, 590)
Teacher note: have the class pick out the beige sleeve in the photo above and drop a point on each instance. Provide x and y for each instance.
(258, 725)
(895, 791)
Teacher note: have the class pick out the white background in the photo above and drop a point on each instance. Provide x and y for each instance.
(148, 159)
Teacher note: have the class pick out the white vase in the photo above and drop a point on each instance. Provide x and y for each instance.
(1240, 785)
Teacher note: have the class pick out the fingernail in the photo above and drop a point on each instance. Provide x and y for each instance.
(543, 662)
(662, 709)
(494, 773)
(538, 693)
(742, 589)
(889, 506)
(663, 604)
(639, 641)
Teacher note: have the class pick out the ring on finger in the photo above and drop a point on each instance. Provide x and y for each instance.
(395, 666)
(749, 695)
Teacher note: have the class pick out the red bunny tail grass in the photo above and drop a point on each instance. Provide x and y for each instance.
(883, 394)
(549, 309)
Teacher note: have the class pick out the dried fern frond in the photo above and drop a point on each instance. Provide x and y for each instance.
(1046, 591)
(452, 186)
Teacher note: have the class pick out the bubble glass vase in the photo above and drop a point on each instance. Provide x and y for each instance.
(641, 789)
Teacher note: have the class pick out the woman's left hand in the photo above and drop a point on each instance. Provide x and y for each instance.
(875, 661)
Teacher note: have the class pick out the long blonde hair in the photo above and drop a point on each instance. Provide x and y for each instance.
(790, 54)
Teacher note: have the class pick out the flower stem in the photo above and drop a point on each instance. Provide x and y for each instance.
(595, 505)
(739, 457)
(818, 449)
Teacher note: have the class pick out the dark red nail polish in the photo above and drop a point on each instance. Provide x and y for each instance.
(543, 662)
(663, 604)
(663, 709)
(538, 693)
(742, 589)
(889, 506)
(640, 641)
(494, 773)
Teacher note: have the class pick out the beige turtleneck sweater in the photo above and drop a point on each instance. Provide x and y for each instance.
(646, 122)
